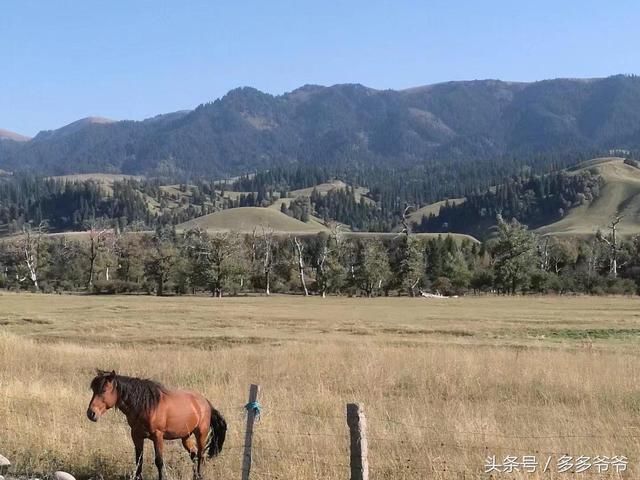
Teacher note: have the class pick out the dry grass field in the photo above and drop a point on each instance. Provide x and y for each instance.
(445, 383)
(245, 219)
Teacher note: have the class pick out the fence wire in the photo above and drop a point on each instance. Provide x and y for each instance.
(439, 438)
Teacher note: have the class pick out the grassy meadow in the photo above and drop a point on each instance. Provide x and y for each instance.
(444, 383)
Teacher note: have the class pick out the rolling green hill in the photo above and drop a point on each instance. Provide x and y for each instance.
(245, 219)
(619, 195)
(577, 201)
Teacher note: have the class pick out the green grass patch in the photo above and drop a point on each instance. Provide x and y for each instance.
(588, 333)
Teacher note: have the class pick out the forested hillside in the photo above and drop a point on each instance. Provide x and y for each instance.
(581, 199)
(537, 200)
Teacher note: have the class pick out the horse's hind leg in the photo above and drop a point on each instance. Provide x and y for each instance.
(201, 441)
(189, 445)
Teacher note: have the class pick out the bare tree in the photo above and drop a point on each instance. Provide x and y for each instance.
(253, 247)
(412, 265)
(97, 243)
(544, 254)
(561, 252)
(263, 243)
(321, 266)
(612, 243)
(29, 250)
(299, 255)
(336, 232)
(111, 249)
(406, 225)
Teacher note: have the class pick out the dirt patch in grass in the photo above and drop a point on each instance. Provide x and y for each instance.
(412, 331)
(24, 321)
(354, 331)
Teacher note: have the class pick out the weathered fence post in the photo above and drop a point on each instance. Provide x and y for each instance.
(358, 434)
(253, 410)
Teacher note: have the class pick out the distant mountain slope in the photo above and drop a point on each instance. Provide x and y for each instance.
(74, 127)
(245, 219)
(619, 195)
(105, 179)
(16, 137)
(247, 129)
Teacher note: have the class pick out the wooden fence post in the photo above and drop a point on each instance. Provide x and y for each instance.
(253, 410)
(358, 434)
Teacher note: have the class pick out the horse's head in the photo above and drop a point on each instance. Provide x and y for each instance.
(105, 395)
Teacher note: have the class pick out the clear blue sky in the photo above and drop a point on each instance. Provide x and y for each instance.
(61, 60)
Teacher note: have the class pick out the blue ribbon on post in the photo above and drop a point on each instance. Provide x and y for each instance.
(254, 407)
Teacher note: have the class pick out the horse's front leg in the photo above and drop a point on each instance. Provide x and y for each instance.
(158, 444)
(138, 443)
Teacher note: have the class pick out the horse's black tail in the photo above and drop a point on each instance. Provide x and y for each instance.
(217, 432)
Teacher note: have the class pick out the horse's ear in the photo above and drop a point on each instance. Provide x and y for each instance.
(106, 373)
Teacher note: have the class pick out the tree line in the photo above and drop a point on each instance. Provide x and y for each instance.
(102, 260)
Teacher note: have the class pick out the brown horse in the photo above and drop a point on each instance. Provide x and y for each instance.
(159, 414)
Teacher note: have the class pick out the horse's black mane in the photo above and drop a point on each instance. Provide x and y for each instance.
(134, 394)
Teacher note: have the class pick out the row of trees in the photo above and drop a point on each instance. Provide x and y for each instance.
(515, 261)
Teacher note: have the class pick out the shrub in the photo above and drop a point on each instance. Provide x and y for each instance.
(540, 281)
(111, 287)
(46, 287)
(482, 280)
(560, 283)
(621, 286)
(443, 285)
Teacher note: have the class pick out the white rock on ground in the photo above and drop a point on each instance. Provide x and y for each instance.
(63, 476)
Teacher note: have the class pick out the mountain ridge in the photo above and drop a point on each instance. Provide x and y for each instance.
(248, 130)
(13, 136)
